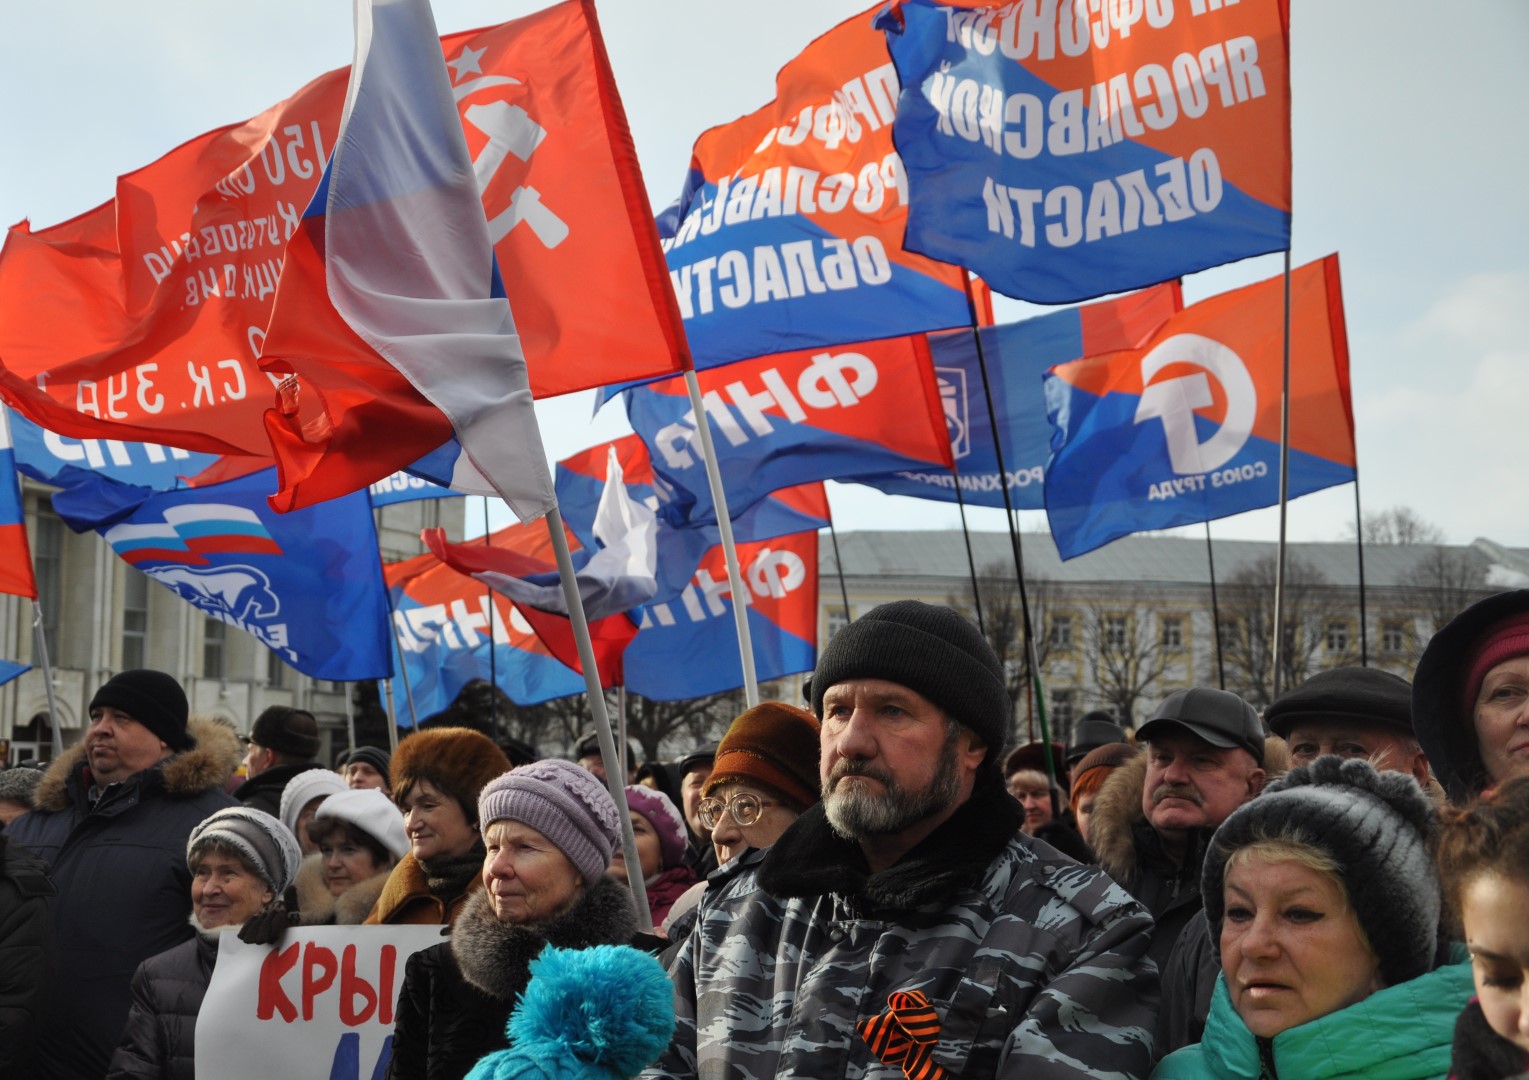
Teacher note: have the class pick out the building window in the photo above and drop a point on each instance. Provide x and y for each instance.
(1063, 711)
(1061, 632)
(1391, 637)
(837, 620)
(1173, 633)
(1337, 637)
(48, 568)
(275, 671)
(135, 620)
(214, 638)
(1115, 631)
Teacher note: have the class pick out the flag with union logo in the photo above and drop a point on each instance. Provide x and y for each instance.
(307, 585)
(147, 314)
(688, 647)
(1065, 151)
(778, 421)
(1187, 427)
(1017, 356)
(788, 233)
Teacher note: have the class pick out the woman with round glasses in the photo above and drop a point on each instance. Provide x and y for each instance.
(766, 774)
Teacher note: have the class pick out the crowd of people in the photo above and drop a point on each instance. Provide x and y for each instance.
(873, 885)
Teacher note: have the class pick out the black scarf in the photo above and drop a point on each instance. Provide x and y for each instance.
(448, 878)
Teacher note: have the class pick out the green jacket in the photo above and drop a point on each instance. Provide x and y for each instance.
(1399, 1033)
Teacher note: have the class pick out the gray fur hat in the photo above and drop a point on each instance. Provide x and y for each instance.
(19, 784)
(1376, 826)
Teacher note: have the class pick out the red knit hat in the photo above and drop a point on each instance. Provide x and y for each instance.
(1503, 640)
(773, 744)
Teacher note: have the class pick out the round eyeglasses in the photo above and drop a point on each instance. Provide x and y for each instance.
(745, 808)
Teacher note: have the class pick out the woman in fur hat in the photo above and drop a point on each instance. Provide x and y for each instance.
(549, 829)
(1324, 905)
(437, 775)
(360, 837)
(241, 859)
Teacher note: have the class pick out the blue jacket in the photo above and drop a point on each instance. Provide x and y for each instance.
(1403, 1032)
(124, 893)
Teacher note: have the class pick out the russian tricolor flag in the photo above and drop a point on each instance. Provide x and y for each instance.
(16, 577)
(390, 317)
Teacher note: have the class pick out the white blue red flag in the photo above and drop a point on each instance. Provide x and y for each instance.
(390, 319)
(16, 577)
(1018, 355)
(1186, 428)
(1068, 150)
(307, 585)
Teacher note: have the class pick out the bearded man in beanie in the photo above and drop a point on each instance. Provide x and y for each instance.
(283, 743)
(904, 923)
(112, 818)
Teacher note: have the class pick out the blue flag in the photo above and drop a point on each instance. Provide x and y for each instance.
(1017, 356)
(53, 459)
(307, 584)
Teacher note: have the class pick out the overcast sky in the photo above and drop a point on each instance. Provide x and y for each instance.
(1411, 160)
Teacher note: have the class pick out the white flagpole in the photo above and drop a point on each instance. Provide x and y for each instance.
(729, 549)
(47, 681)
(615, 779)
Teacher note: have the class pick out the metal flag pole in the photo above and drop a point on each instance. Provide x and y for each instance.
(392, 714)
(1364, 636)
(615, 780)
(1215, 607)
(350, 719)
(54, 726)
(403, 672)
(966, 534)
(1284, 493)
(833, 534)
(493, 653)
(1008, 516)
(729, 549)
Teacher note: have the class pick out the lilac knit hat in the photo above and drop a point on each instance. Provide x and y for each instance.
(565, 803)
(660, 813)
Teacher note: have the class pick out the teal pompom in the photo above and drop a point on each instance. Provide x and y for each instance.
(602, 1013)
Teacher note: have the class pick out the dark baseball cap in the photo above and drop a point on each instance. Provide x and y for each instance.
(1219, 717)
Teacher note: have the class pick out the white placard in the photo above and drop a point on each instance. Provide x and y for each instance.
(318, 1006)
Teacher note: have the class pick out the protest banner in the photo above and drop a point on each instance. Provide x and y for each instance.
(1063, 151)
(319, 1004)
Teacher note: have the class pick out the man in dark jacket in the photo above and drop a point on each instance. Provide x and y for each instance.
(1154, 816)
(905, 922)
(112, 818)
(283, 743)
(26, 953)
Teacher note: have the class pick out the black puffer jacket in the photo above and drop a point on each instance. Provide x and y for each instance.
(159, 1042)
(457, 996)
(26, 953)
(263, 792)
(124, 892)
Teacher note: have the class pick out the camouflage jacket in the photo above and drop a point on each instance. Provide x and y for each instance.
(1032, 964)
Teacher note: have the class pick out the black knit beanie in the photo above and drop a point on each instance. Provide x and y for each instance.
(1375, 826)
(933, 650)
(377, 758)
(152, 698)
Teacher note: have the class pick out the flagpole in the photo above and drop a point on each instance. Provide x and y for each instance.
(55, 730)
(392, 714)
(1215, 608)
(1364, 638)
(1284, 493)
(493, 652)
(403, 671)
(729, 549)
(1008, 517)
(615, 780)
(833, 534)
(350, 719)
(971, 563)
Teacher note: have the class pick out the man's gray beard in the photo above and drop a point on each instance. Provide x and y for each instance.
(857, 814)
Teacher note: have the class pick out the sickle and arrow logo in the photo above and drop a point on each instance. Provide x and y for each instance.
(1174, 401)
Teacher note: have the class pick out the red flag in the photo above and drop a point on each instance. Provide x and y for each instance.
(141, 319)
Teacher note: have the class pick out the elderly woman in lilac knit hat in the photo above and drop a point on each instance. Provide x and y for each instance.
(549, 830)
(658, 828)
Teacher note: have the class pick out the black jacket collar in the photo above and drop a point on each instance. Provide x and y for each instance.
(810, 859)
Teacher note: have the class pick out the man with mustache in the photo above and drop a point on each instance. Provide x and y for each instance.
(906, 922)
(1155, 814)
(112, 818)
